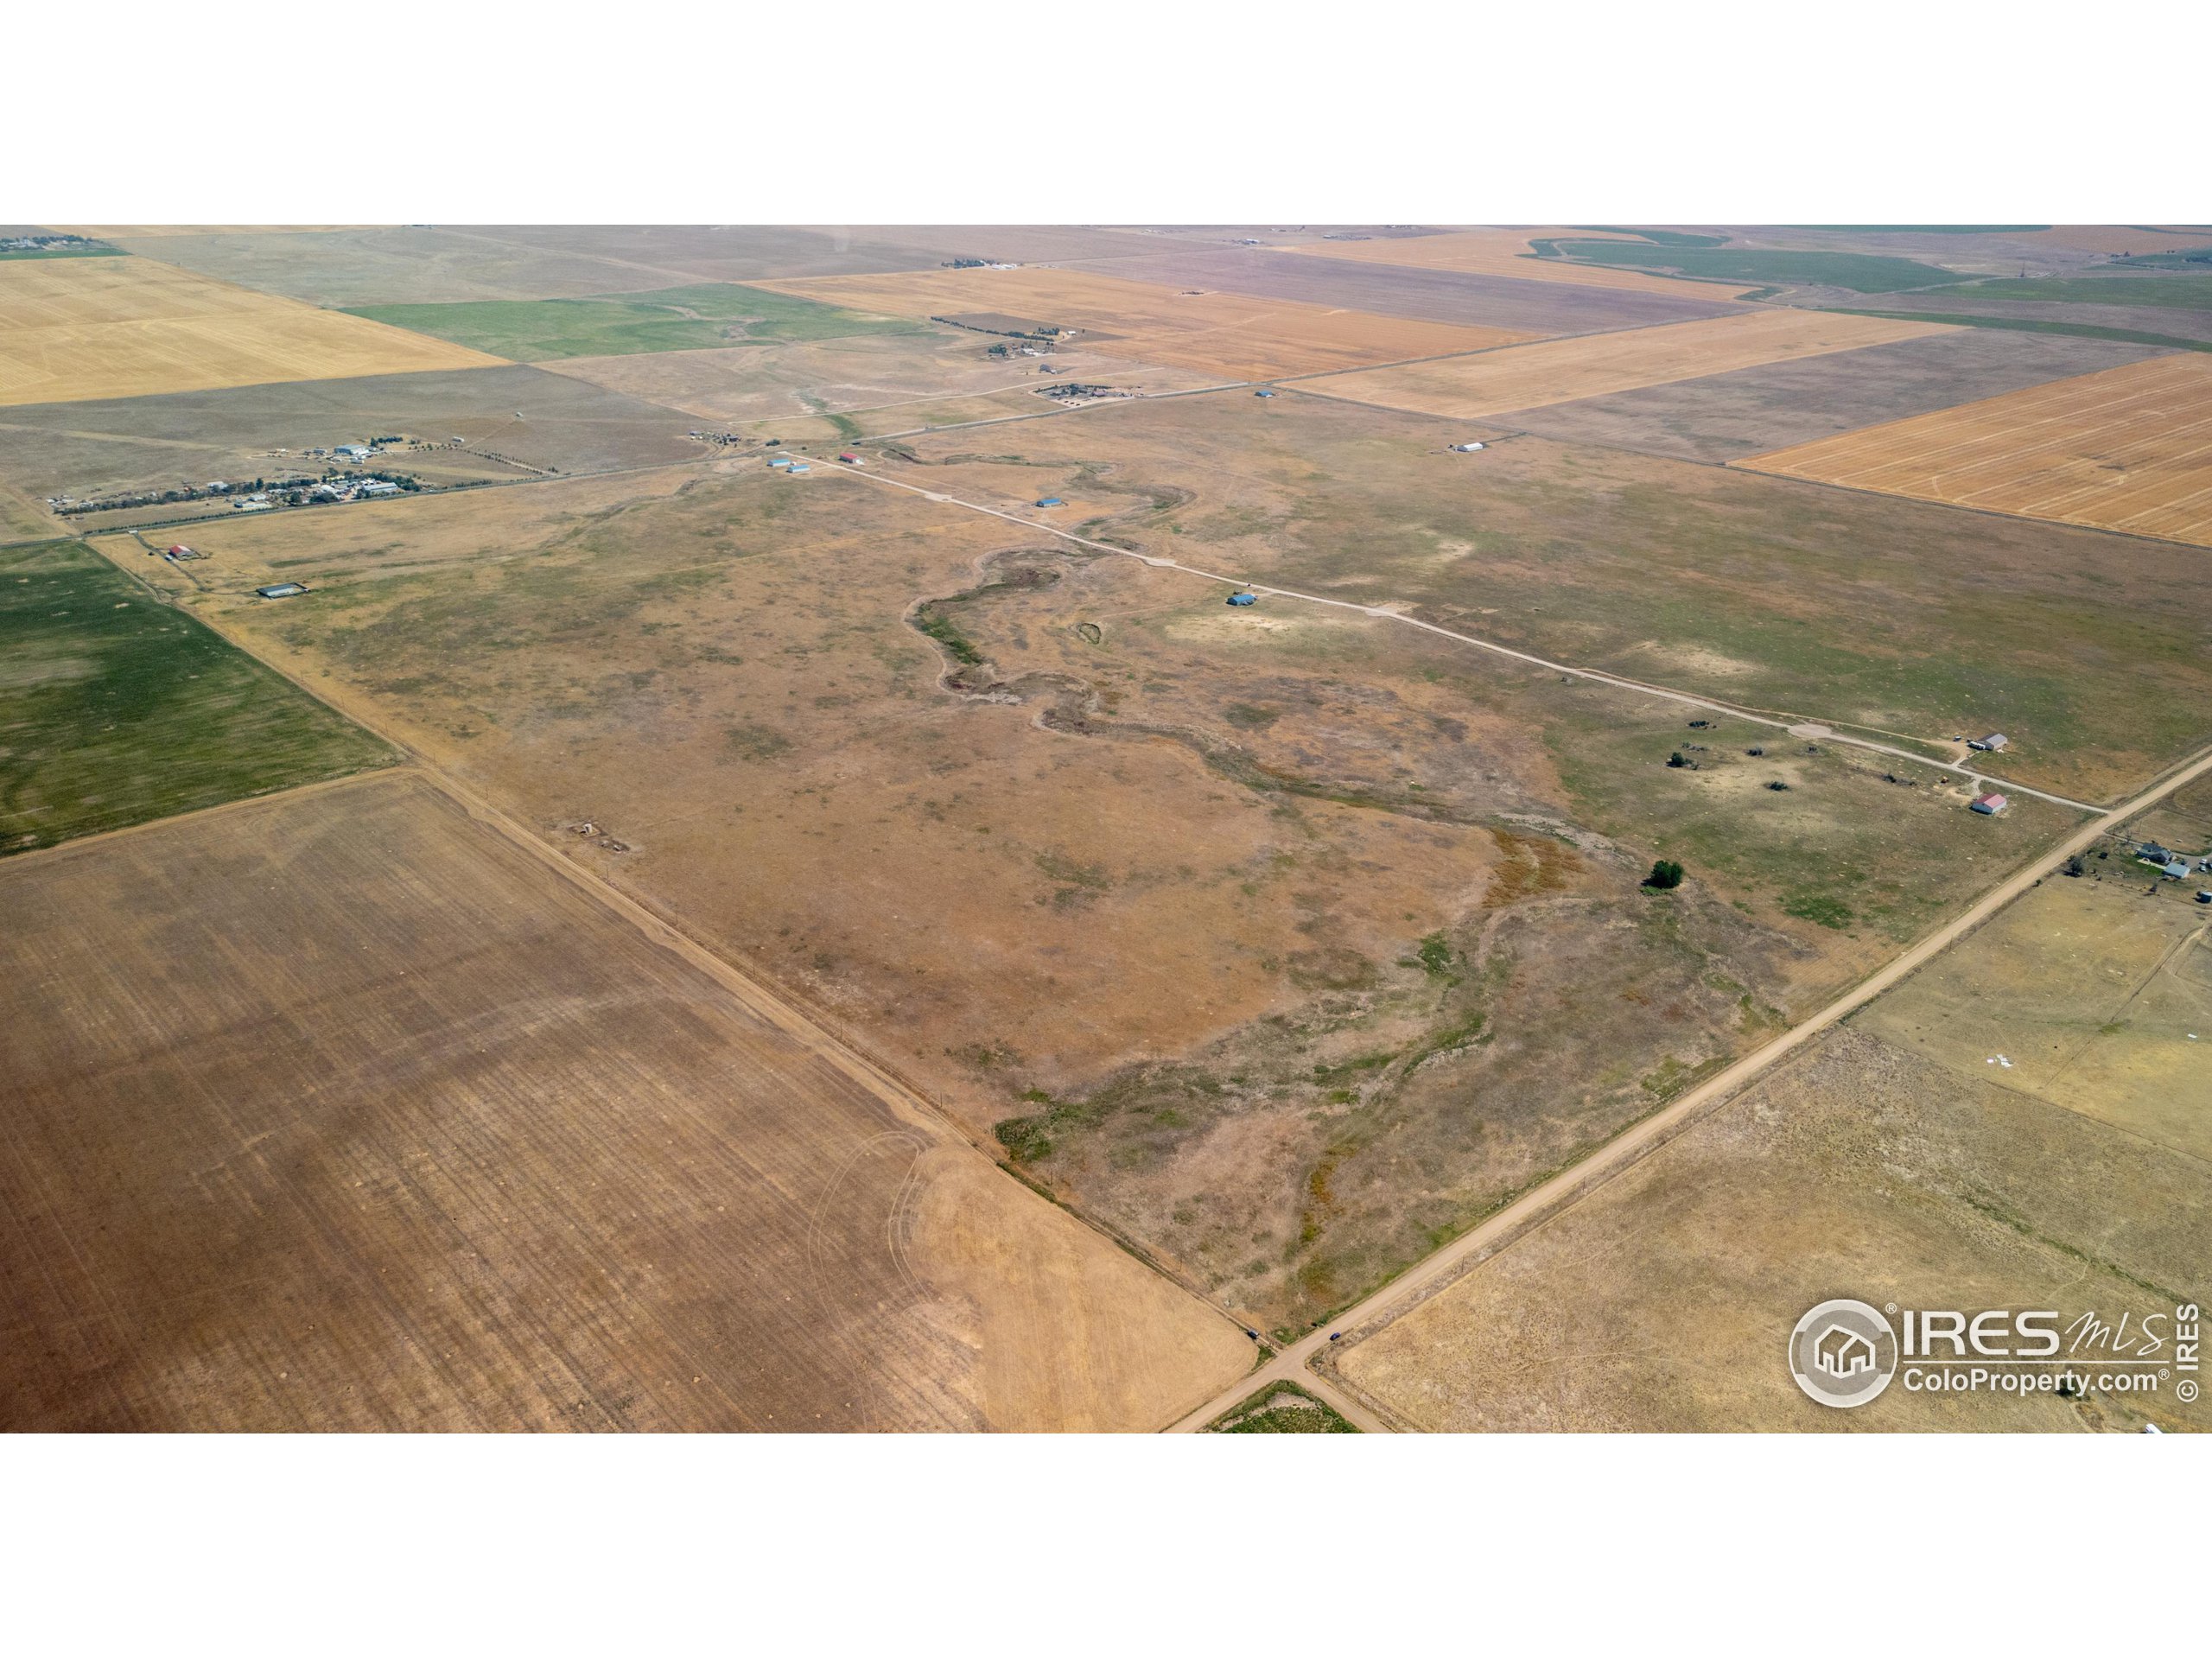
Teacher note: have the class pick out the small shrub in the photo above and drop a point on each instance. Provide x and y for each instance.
(1665, 874)
(756, 742)
(1024, 1138)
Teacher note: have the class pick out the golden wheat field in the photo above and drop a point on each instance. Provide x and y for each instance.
(1506, 253)
(2127, 449)
(1590, 366)
(1234, 335)
(71, 330)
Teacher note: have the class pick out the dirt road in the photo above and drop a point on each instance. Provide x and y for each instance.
(1563, 1189)
(1794, 724)
(1498, 1229)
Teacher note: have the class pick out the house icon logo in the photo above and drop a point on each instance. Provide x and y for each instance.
(1843, 1353)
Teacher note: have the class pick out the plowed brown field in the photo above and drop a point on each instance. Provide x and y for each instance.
(76, 329)
(344, 1110)
(1234, 335)
(2128, 449)
(1559, 370)
(2116, 238)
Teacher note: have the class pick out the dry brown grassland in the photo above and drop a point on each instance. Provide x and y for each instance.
(1279, 940)
(1234, 336)
(1900, 1162)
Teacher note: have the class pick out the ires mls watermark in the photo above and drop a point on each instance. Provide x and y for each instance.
(1847, 1352)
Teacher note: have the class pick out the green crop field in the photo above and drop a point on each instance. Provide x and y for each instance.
(61, 253)
(2038, 326)
(1864, 273)
(115, 708)
(620, 325)
(2192, 292)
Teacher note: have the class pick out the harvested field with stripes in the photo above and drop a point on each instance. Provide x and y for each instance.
(71, 330)
(345, 1111)
(1559, 370)
(1506, 253)
(1232, 335)
(1520, 302)
(2127, 450)
(1719, 417)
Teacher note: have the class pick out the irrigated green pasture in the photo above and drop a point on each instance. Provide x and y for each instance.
(1866, 273)
(616, 325)
(115, 708)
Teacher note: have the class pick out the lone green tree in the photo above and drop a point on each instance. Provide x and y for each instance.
(1664, 874)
